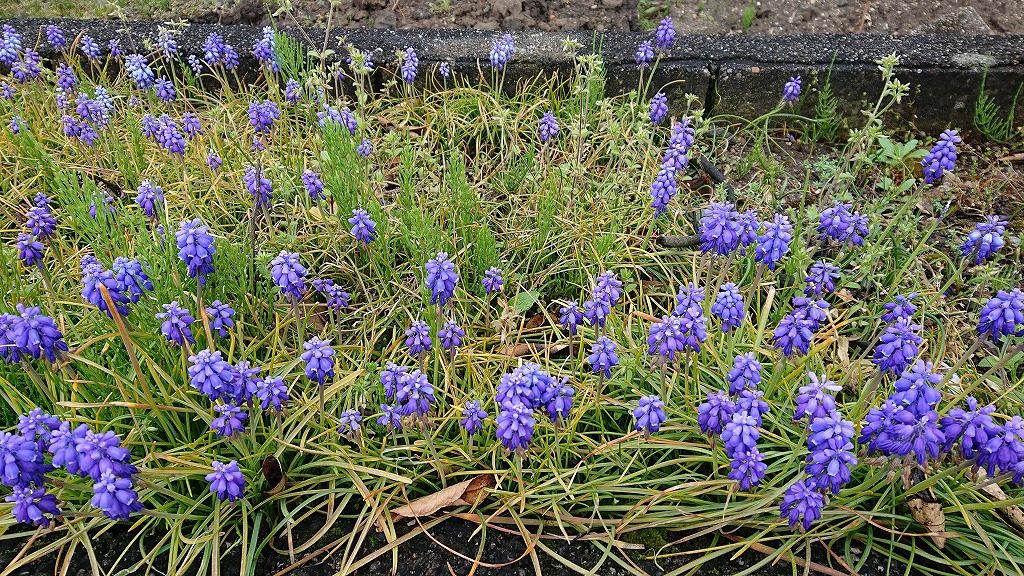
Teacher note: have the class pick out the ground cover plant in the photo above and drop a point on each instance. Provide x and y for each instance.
(230, 310)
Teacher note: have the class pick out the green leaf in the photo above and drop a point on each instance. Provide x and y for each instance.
(525, 300)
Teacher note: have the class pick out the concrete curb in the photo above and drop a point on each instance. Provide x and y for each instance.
(740, 75)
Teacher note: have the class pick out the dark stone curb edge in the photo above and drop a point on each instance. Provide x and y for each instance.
(740, 75)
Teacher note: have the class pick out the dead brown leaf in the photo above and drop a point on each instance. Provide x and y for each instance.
(929, 515)
(1013, 514)
(467, 492)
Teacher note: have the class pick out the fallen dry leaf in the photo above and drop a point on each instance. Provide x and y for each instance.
(929, 515)
(1014, 515)
(468, 492)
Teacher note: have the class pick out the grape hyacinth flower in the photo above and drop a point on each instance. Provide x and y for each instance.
(816, 400)
(561, 401)
(114, 47)
(492, 281)
(30, 250)
(897, 347)
(664, 34)
(195, 248)
(55, 36)
(918, 435)
(972, 428)
(292, 91)
(607, 288)
(901, 307)
(289, 274)
(802, 504)
(38, 425)
(350, 424)
(831, 457)
(40, 222)
(747, 468)
(451, 335)
(414, 394)
(740, 433)
(389, 378)
(365, 148)
(246, 382)
(272, 392)
(644, 54)
(794, 333)
(410, 64)
(985, 240)
(745, 373)
(262, 115)
(1005, 448)
(445, 70)
(89, 47)
(319, 359)
(473, 417)
(217, 51)
(570, 317)
(102, 453)
(21, 461)
(31, 505)
(314, 185)
(603, 357)
(665, 338)
(840, 224)
(264, 49)
(214, 161)
(226, 481)
(774, 243)
(139, 71)
(364, 229)
(942, 157)
(164, 89)
(258, 185)
(751, 402)
(190, 125)
(390, 417)
(729, 306)
(720, 229)
(177, 322)
(94, 276)
(10, 45)
(548, 127)
(221, 317)
(502, 51)
(441, 279)
(596, 311)
(230, 422)
(115, 496)
(715, 412)
(515, 426)
(417, 338)
(337, 297)
(165, 42)
(149, 198)
(688, 300)
(1002, 315)
(658, 108)
(132, 280)
(791, 90)
(66, 79)
(663, 190)
(821, 278)
(649, 415)
(210, 374)
(343, 118)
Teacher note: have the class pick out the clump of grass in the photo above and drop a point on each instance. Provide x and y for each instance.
(458, 167)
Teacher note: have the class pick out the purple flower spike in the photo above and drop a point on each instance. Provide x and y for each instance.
(292, 91)
(664, 34)
(713, 414)
(794, 333)
(177, 322)
(221, 317)
(365, 148)
(164, 89)
(901, 307)
(417, 338)
(729, 306)
(688, 300)
(414, 394)
(740, 433)
(132, 280)
(649, 415)
(473, 417)
(40, 222)
(985, 240)
(720, 229)
(115, 496)
(942, 157)
(1005, 448)
(816, 399)
(195, 248)
(139, 71)
(89, 47)
(262, 115)
(644, 54)
(548, 127)
(917, 435)
(1002, 315)
(570, 317)
(258, 185)
(492, 281)
(502, 51)
(802, 504)
(972, 428)
(55, 36)
(32, 505)
(364, 229)
(603, 357)
(191, 125)
(390, 417)
(663, 190)
(441, 279)
(230, 422)
(94, 276)
(515, 426)
(214, 161)
(272, 393)
(596, 312)
(658, 108)
(747, 468)
(38, 425)
(915, 388)
(840, 224)
(351, 424)
(289, 274)
(774, 243)
(410, 64)
(265, 50)
(897, 347)
(314, 185)
(150, 197)
(226, 481)
(30, 250)
(821, 278)
(319, 359)
(745, 373)
(217, 51)
(791, 90)
(211, 375)
(451, 335)
(21, 461)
